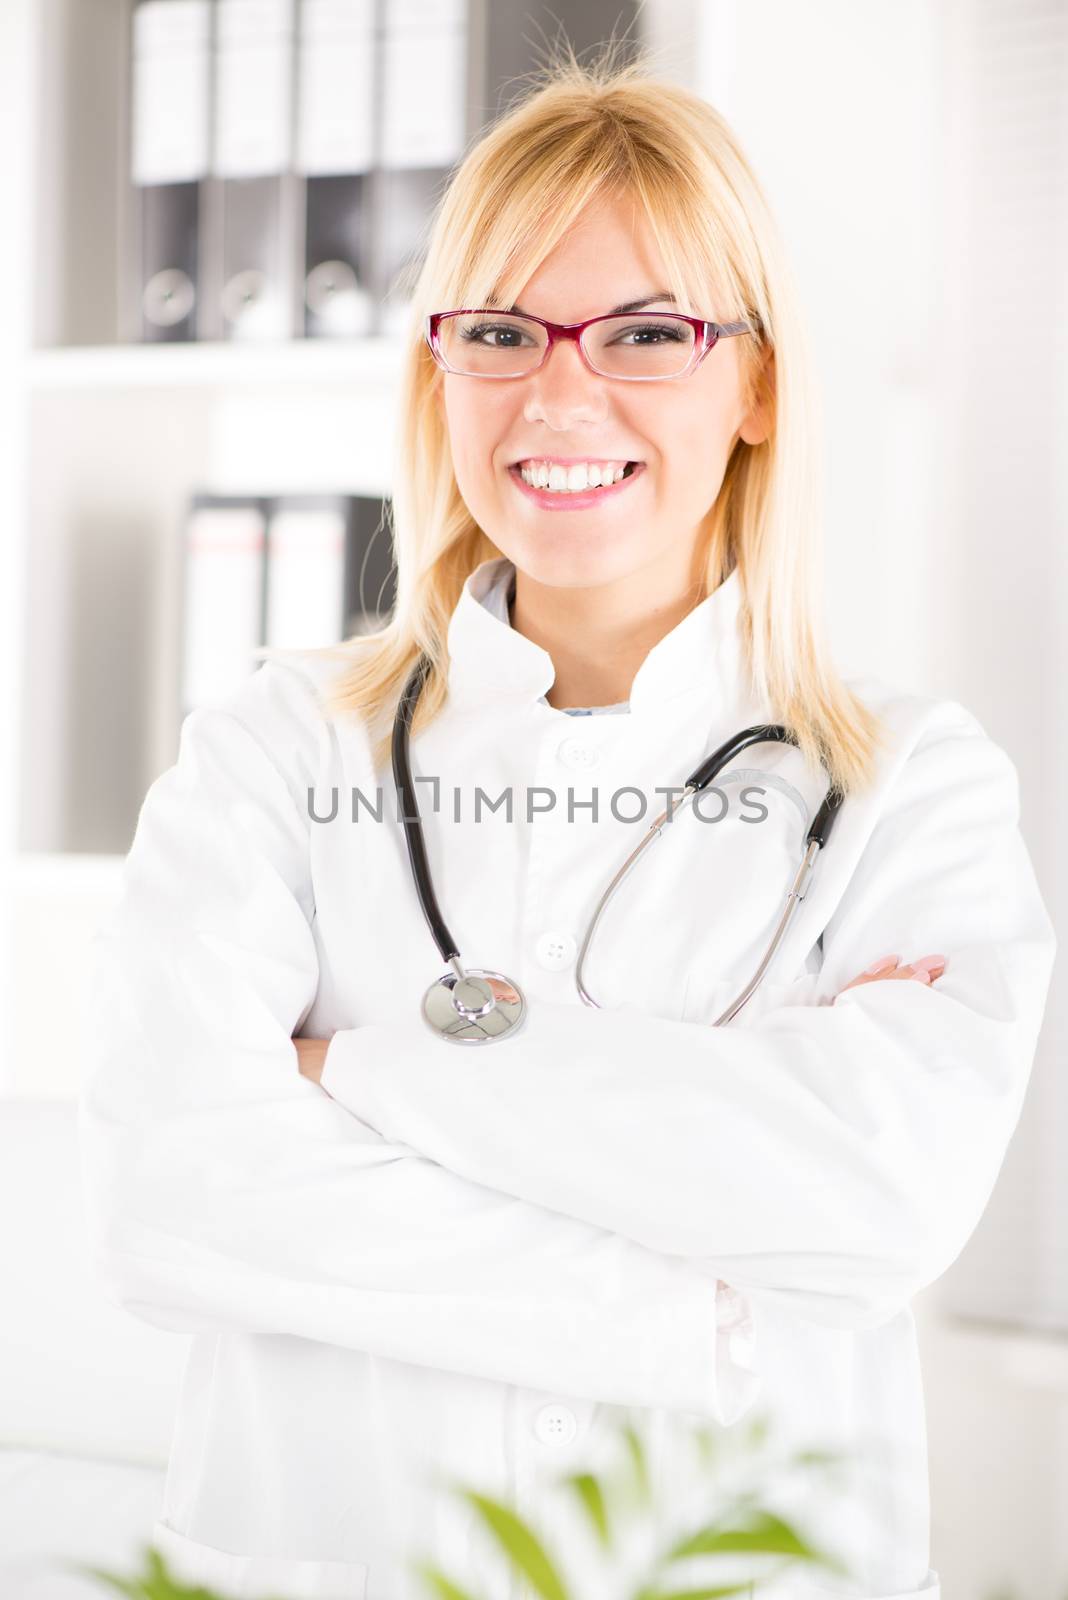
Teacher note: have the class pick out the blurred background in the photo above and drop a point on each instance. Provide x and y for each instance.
(209, 208)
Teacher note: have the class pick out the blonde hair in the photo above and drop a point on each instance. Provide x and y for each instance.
(583, 132)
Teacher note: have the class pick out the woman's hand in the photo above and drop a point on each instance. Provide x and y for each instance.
(311, 1053)
(925, 970)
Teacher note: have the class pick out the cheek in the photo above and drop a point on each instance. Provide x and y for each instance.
(694, 439)
(475, 427)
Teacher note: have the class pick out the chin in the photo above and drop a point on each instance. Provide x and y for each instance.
(560, 562)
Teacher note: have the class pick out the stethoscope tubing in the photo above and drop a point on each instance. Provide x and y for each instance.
(705, 773)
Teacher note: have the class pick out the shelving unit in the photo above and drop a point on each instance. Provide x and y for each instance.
(216, 364)
(119, 434)
(107, 440)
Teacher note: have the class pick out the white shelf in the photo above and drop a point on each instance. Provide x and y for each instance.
(368, 361)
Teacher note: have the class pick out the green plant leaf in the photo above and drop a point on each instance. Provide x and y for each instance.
(520, 1543)
(708, 1444)
(638, 1465)
(764, 1533)
(819, 1458)
(757, 1430)
(155, 1582)
(128, 1586)
(588, 1492)
(442, 1585)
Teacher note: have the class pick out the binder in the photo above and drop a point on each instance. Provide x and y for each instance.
(422, 124)
(329, 569)
(169, 156)
(335, 153)
(305, 571)
(252, 156)
(224, 572)
(424, 60)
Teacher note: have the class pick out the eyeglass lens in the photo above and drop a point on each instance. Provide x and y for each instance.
(499, 345)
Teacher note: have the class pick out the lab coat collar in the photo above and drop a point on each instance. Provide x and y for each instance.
(491, 662)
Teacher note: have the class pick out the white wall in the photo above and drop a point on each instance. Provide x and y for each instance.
(915, 154)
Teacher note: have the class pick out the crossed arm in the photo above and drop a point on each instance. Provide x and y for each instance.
(311, 1053)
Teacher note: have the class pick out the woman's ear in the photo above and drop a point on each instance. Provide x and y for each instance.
(758, 423)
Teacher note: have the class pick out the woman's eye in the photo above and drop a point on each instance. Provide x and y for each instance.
(661, 333)
(476, 335)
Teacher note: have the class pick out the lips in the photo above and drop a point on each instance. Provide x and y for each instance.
(577, 500)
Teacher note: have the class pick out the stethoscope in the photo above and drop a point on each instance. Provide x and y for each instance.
(474, 1005)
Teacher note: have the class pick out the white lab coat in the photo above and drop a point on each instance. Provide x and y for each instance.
(473, 1263)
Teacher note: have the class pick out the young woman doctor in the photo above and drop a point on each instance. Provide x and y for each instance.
(410, 1261)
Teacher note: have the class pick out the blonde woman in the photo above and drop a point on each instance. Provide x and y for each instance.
(409, 1261)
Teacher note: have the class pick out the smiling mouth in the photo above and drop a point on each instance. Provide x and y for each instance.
(564, 498)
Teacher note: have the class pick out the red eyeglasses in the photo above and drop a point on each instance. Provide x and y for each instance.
(637, 347)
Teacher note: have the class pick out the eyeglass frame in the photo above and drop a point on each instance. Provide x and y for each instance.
(707, 336)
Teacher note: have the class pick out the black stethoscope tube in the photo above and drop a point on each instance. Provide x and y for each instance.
(766, 733)
(709, 769)
(413, 828)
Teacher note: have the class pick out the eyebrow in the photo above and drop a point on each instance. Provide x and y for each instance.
(616, 311)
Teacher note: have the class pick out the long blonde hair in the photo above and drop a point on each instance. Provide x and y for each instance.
(583, 132)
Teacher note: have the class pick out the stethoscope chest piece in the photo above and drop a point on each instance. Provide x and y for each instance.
(479, 1008)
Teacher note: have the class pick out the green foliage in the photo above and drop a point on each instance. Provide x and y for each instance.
(613, 1508)
(155, 1582)
(520, 1543)
(611, 1504)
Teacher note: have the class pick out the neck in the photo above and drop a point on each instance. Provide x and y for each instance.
(598, 637)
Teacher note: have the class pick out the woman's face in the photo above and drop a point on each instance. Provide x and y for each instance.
(680, 430)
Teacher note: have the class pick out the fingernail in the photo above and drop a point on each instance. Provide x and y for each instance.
(880, 966)
(929, 963)
(918, 971)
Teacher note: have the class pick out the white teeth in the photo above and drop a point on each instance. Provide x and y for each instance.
(570, 480)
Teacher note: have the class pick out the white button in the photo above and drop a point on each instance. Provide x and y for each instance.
(555, 1424)
(555, 950)
(575, 752)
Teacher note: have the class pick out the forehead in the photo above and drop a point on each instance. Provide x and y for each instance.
(608, 250)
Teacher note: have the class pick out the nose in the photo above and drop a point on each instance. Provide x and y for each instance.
(564, 388)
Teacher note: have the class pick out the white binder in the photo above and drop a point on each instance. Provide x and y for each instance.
(253, 87)
(335, 95)
(424, 83)
(169, 155)
(254, 108)
(222, 620)
(306, 544)
(170, 85)
(335, 152)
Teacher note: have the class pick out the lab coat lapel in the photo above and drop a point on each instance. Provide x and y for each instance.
(491, 664)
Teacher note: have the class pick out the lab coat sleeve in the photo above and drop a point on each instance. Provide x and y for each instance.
(226, 1191)
(834, 1157)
